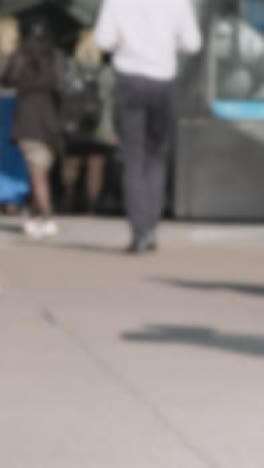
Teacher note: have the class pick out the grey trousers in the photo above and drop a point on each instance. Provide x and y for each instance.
(144, 117)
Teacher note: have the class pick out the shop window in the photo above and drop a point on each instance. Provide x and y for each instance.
(237, 60)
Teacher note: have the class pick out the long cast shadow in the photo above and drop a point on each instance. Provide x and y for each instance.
(10, 228)
(213, 286)
(55, 244)
(198, 336)
(91, 248)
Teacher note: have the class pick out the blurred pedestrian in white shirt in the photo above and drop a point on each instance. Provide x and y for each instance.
(145, 37)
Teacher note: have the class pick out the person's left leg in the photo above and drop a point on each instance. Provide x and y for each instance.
(94, 178)
(159, 138)
(39, 158)
(71, 170)
(41, 191)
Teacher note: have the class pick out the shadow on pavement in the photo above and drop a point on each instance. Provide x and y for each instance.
(11, 228)
(55, 244)
(213, 286)
(92, 248)
(198, 336)
(16, 228)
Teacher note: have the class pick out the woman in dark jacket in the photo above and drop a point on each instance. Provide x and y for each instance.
(34, 72)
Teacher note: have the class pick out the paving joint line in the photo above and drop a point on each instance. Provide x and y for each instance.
(105, 366)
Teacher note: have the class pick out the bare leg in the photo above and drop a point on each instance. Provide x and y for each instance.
(70, 173)
(95, 176)
(40, 191)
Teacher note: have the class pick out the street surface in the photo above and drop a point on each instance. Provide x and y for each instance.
(112, 361)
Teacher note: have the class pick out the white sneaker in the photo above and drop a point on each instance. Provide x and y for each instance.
(33, 228)
(49, 228)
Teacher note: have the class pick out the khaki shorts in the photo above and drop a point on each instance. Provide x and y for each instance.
(37, 153)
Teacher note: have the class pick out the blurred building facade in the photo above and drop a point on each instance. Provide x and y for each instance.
(219, 164)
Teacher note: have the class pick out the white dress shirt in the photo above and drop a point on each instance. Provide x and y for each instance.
(145, 35)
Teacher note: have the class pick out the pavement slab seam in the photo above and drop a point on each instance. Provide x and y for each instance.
(122, 382)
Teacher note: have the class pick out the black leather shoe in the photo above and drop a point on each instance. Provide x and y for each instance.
(152, 242)
(143, 244)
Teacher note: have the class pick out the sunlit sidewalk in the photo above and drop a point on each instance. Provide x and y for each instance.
(108, 360)
(113, 232)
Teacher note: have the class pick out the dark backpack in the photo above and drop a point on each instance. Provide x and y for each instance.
(80, 107)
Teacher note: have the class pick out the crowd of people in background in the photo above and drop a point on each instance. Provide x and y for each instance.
(59, 97)
(97, 72)
(55, 99)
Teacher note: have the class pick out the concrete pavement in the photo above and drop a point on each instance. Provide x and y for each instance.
(109, 361)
